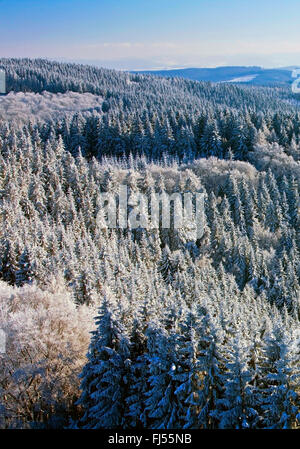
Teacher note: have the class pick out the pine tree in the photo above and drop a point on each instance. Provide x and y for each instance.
(106, 374)
(281, 403)
(25, 273)
(163, 409)
(238, 408)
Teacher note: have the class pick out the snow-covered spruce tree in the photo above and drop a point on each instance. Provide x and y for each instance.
(8, 263)
(166, 267)
(236, 409)
(190, 375)
(139, 369)
(281, 399)
(105, 376)
(210, 363)
(164, 409)
(25, 272)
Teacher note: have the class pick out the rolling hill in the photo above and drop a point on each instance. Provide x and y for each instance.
(257, 76)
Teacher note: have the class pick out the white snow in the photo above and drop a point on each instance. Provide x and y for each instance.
(242, 79)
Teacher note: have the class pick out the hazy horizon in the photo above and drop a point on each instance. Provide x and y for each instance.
(105, 64)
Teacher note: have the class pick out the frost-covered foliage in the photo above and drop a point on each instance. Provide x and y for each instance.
(191, 333)
(30, 106)
(46, 342)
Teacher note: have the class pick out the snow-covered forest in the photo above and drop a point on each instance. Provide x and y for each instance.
(136, 328)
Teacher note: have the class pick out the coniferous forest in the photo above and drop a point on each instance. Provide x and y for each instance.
(133, 328)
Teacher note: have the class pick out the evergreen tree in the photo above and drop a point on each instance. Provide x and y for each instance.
(105, 377)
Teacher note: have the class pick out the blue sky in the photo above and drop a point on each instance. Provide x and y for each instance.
(137, 34)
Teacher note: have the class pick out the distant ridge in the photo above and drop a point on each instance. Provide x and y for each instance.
(253, 75)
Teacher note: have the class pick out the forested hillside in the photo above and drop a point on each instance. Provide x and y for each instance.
(189, 333)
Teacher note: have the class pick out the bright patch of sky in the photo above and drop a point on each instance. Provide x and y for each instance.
(138, 34)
